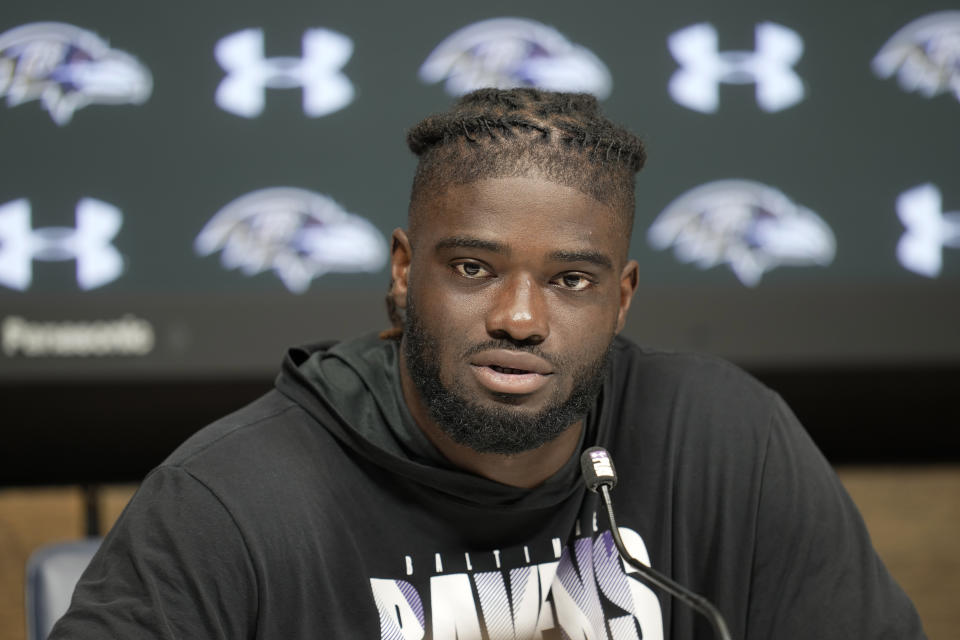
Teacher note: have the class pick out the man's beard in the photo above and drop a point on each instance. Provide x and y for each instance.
(501, 429)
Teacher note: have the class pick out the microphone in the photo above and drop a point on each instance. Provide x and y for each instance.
(600, 476)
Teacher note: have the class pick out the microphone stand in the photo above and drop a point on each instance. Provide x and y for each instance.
(678, 591)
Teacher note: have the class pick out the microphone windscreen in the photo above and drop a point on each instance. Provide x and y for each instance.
(597, 467)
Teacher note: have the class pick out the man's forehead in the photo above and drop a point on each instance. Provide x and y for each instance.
(512, 196)
(517, 214)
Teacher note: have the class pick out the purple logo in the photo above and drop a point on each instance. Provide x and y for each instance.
(66, 68)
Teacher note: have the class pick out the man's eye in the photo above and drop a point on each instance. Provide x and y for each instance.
(575, 281)
(470, 270)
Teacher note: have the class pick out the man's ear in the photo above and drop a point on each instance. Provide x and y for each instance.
(400, 256)
(629, 278)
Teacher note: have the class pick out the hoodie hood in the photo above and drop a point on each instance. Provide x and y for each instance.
(352, 389)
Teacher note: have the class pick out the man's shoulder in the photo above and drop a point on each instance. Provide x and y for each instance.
(255, 428)
(255, 458)
(631, 361)
(700, 386)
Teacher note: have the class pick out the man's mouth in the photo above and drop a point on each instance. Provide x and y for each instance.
(510, 372)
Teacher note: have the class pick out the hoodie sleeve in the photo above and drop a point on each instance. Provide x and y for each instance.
(815, 571)
(175, 565)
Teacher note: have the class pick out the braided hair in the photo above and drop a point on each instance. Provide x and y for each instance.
(497, 133)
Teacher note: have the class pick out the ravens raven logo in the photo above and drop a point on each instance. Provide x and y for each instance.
(514, 52)
(299, 234)
(748, 225)
(924, 55)
(67, 68)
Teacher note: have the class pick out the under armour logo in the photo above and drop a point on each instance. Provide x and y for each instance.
(696, 85)
(928, 230)
(250, 74)
(98, 261)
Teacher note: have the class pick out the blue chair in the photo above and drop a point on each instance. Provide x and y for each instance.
(52, 574)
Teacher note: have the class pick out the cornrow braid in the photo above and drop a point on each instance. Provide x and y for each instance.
(563, 137)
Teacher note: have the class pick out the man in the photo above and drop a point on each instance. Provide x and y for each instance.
(425, 483)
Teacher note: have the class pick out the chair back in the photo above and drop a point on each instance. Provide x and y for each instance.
(52, 573)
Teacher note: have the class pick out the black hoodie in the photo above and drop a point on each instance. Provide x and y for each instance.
(321, 511)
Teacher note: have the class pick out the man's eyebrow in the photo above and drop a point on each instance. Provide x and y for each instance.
(462, 242)
(595, 257)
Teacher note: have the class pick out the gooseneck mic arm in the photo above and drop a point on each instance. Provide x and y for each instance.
(600, 476)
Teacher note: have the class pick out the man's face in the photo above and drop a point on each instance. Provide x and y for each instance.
(514, 289)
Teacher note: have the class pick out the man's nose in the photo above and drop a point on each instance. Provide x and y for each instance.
(519, 312)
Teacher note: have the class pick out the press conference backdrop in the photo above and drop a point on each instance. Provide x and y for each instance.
(188, 188)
